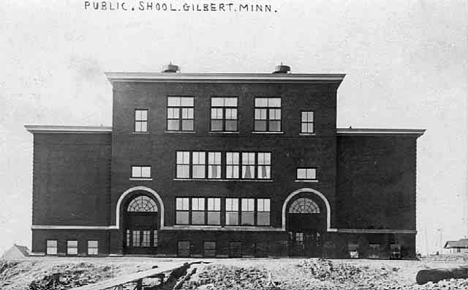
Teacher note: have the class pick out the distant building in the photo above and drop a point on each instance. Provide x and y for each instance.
(16, 252)
(224, 165)
(460, 246)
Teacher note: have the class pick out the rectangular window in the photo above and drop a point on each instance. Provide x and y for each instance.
(182, 210)
(264, 165)
(209, 249)
(128, 236)
(183, 248)
(223, 114)
(155, 238)
(232, 165)
(267, 115)
(93, 247)
(263, 212)
(72, 247)
(180, 111)
(141, 171)
(198, 165)
(141, 120)
(198, 211)
(307, 173)
(136, 238)
(232, 211)
(248, 165)
(183, 164)
(248, 211)
(307, 122)
(146, 239)
(214, 211)
(51, 248)
(214, 165)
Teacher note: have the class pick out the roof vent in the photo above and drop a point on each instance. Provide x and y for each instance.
(282, 69)
(170, 68)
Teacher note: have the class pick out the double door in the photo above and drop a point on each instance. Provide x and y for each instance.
(141, 233)
(305, 243)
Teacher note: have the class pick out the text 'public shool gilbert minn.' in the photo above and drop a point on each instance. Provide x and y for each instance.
(176, 6)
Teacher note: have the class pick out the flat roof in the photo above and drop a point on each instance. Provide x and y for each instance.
(223, 77)
(377, 131)
(108, 129)
(67, 129)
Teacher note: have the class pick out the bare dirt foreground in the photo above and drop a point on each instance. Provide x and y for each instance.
(66, 273)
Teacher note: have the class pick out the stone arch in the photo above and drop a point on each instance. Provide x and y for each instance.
(309, 190)
(123, 197)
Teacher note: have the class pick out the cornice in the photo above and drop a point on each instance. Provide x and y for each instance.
(67, 129)
(375, 131)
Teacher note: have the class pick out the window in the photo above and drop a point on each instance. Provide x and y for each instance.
(248, 165)
(267, 115)
(264, 165)
(209, 249)
(248, 211)
(141, 171)
(263, 212)
(93, 248)
(307, 174)
(180, 112)
(183, 164)
(307, 122)
(214, 165)
(155, 238)
(141, 120)
(136, 242)
(198, 211)
(198, 164)
(214, 211)
(223, 114)
(51, 248)
(72, 247)
(128, 238)
(183, 248)
(304, 205)
(232, 165)
(232, 211)
(146, 241)
(142, 203)
(182, 211)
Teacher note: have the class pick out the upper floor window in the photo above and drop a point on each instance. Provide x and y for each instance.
(256, 165)
(194, 164)
(267, 115)
(180, 111)
(141, 171)
(182, 210)
(224, 114)
(307, 122)
(307, 173)
(141, 120)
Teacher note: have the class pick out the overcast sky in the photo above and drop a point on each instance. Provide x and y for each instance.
(406, 65)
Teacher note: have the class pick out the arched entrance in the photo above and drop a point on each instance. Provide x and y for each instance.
(306, 222)
(140, 223)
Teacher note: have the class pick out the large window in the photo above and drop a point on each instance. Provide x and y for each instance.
(214, 165)
(194, 165)
(72, 247)
(182, 211)
(51, 247)
(180, 114)
(223, 114)
(248, 212)
(267, 115)
(198, 211)
(263, 165)
(232, 211)
(232, 165)
(256, 165)
(263, 212)
(183, 164)
(307, 174)
(198, 164)
(141, 172)
(214, 211)
(141, 120)
(307, 122)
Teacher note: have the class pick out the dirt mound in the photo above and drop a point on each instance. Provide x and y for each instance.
(229, 277)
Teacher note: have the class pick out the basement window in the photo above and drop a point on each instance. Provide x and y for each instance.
(72, 247)
(93, 248)
(51, 247)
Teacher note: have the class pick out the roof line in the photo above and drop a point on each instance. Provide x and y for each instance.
(67, 129)
(222, 77)
(377, 131)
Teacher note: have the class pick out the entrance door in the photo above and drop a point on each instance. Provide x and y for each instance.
(141, 226)
(305, 224)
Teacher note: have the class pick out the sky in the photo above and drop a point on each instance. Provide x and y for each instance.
(406, 65)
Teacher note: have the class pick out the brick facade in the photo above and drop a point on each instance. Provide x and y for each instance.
(365, 188)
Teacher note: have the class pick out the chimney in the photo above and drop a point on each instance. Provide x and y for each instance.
(170, 68)
(282, 69)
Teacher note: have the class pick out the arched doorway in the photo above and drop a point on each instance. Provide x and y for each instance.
(140, 221)
(306, 222)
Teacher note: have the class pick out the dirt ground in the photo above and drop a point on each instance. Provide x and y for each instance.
(286, 273)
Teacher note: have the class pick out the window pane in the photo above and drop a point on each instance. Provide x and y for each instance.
(216, 113)
(146, 172)
(247, 218)
(155, 238)
(231, 114)
(275, 114)
(248, 204)
(231, 126)
(198, 204)
(172, 125)
(216, 125)
(260, 126)
(198, 217)
(214, 218)
(187, 113)
(187, 125)
(232, 204)
(136, 238)
(274, 102)
(274, 126)
(187, 102)
(173, 113)
(146, 239)
(182, 218)
(217, 102)
(173, 101)
(260, 114)
(301, 173)
(214, 204)
(263, 218)
(231, 102)
(182, 203)
(261, 102)
(232, 218)
(183, 171)
(311, 173)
